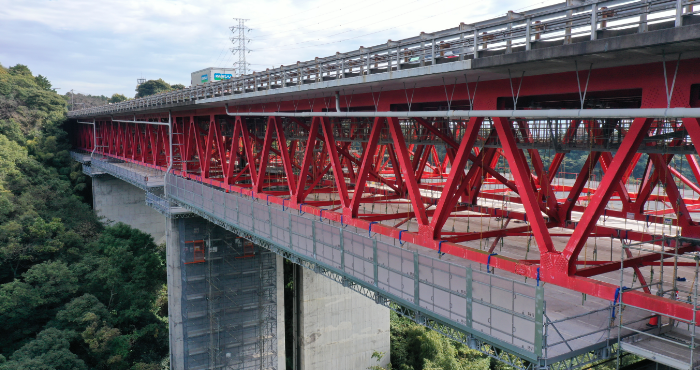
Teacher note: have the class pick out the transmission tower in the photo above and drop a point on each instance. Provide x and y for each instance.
(239, 45)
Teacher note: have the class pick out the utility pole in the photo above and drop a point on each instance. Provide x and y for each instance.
(239, 45)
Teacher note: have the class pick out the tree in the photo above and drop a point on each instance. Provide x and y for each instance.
(117, 98)
(413, 347)
(74, 294)
(152, 87)
(77, 314)
(50, 350)
(43, 82)
(20, 70)
(178, 87)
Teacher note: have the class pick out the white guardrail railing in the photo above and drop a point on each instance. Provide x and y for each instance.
(561, 22)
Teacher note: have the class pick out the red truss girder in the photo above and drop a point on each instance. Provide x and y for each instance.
(236, 155)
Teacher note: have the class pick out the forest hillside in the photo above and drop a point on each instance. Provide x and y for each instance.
(74, 294)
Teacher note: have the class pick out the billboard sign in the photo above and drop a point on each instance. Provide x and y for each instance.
(222, 76)
(205, 78)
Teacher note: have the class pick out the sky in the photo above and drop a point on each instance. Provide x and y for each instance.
(103, 47)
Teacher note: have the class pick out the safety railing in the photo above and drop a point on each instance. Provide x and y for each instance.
(669, 340)
(79, 156)
(143, 178)
(88, 170)
(564, 23)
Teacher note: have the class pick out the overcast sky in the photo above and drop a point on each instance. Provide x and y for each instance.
(102, 47)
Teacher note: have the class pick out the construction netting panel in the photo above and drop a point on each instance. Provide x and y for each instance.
(481, 302)
(328, 248)
(395, 271)
(229, 299)
(359, 256)
(443, 288)
(504, 309)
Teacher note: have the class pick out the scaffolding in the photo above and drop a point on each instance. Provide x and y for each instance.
(668, 340)
(229, 299)
(518, 322)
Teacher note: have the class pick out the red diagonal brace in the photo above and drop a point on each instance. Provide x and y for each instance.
(409, 176)
(628, 147)
(367, 159)
(519, 168)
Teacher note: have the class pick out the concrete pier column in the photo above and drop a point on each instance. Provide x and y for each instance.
(226, 299)
(339, 328)
(119, 201)
(174, 266)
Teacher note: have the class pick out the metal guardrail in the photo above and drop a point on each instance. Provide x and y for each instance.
(166, 207)
(155, 179)
(90, 171)
(80, 157)
(561, 22)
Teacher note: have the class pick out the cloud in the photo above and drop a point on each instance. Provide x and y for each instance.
(103, 47)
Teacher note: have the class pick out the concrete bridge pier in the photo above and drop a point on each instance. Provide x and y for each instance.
(339, 328)
(120, 201)
(226, 295)
(225, 299)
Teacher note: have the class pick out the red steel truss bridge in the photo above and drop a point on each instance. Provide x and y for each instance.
(553, 149)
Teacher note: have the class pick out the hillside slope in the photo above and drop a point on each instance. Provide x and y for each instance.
(74, 294)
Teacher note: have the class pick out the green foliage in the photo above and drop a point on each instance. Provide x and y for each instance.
(43, 82)
(178, 87)
(50, 350)
(74, 294)
(152, 87)
(413, 347)
(117, 98)
(20, 70)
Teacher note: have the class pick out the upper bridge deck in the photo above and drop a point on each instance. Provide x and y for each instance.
(553, 39)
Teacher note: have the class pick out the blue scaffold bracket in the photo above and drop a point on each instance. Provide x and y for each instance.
(370, 227)
(525, 217)
(283, 204)
(440, 248)
(401, 242)
(488, 262)
(300, 211)
(605, 214)
(626, 239)
(268, 199)
(646, 220)
(320, 215)
(538, 276)
(617, 296)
